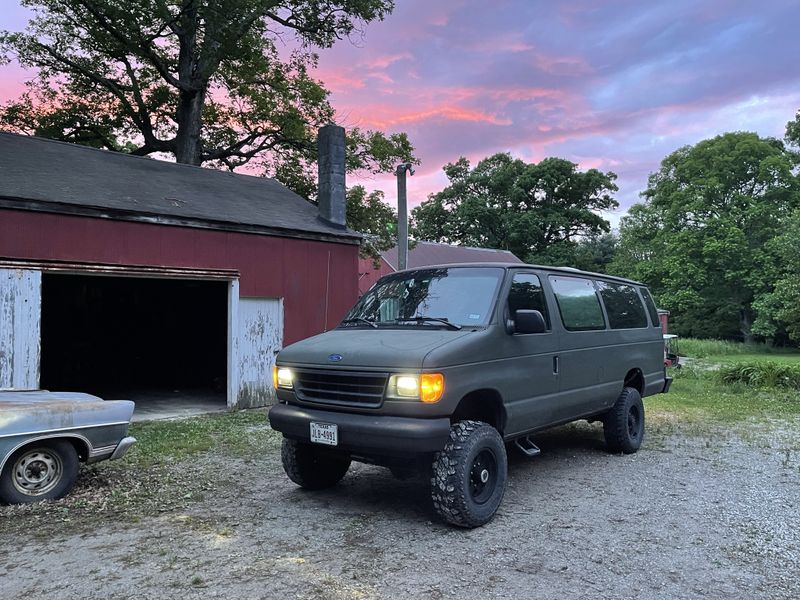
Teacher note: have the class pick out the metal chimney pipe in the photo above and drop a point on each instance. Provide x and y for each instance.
(331, 174)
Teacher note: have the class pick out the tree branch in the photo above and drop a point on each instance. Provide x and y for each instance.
(144, 49)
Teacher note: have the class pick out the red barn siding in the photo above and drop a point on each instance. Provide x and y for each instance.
(299, 271)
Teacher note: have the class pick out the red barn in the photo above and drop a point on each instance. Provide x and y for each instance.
(137, 278)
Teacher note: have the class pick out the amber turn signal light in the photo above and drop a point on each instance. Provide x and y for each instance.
(431, 387)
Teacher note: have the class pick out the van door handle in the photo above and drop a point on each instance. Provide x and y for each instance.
(555, 365)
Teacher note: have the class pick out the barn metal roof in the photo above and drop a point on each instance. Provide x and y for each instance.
(432, 253)
(51, 176)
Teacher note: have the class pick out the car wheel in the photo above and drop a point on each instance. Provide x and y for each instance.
(469, 475)
(311, 467)
(623, 425)
(44, 470)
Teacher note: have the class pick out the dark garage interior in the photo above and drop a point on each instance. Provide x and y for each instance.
(159, 342)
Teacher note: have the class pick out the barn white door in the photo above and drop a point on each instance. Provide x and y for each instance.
(20, 328)
(258, 337)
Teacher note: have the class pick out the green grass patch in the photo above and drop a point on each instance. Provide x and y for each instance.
(713, 349)
(700, 397)
(240, 434)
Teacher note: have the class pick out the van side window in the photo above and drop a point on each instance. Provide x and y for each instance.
(578, 303)
(651, 307)
(526, 293)
(623, 305)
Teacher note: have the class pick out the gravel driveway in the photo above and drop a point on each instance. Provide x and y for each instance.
(708, 515)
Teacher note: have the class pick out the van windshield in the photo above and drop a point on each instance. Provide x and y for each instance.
(429, 297)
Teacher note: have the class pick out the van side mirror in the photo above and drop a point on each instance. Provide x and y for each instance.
(529, 321)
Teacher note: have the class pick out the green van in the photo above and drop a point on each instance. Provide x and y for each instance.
(443, 367)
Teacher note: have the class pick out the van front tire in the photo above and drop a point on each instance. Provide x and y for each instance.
(469, 475)
(623, 425)
(312, 467)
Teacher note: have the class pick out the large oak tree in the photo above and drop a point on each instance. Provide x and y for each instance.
(207, 81)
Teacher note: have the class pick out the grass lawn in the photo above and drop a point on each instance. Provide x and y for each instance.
(789, 358)
(697, 398)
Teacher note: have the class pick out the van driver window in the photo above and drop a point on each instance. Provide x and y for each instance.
(578, 304)
(526, 293)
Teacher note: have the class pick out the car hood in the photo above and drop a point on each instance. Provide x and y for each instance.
(368, 347)
(34, 411)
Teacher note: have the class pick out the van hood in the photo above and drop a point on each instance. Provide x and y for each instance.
(377, 348)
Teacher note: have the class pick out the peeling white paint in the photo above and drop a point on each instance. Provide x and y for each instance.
(20, 328)
(259, 337)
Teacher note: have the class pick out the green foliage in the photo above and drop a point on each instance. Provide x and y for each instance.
(206, 81)
(537, 211)
(761, 374)
(701, 348)
(367, 213)
(702, 238)
(779, 309)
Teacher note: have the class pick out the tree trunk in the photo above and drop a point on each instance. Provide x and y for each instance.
(188, 142)
(746, 324)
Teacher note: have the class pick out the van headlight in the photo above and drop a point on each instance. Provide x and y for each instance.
(282, 378)
(427, 387)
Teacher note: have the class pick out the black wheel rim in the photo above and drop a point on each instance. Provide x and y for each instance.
(483, 476)
(634, 422)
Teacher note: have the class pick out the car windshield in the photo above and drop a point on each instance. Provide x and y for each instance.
(429, 297)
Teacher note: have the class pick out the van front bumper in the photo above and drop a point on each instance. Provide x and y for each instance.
(364, 433)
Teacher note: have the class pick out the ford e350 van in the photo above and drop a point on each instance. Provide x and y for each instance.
(444, 367)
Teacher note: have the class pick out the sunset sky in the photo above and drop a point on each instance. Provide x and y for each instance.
(616, 87)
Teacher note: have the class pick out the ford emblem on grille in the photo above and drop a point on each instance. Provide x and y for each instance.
(335, 357)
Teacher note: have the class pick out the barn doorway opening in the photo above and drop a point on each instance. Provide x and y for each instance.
(159, 342)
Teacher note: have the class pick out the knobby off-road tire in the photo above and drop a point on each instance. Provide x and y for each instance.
(469, 474)
(623, 425)
(312, 467)
(44, 470)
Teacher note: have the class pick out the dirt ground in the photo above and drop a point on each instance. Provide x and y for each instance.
(700, 516)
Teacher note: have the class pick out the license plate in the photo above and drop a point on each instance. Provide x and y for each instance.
(325, 433)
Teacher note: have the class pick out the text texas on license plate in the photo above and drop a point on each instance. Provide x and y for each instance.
(325, 433)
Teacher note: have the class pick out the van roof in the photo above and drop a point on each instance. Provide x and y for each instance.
(565, 270)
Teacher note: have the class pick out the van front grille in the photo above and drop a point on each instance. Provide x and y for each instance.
(353, 388)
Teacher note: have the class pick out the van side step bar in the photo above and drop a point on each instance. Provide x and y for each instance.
(526, 446)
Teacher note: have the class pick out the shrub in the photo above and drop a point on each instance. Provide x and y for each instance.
(761, 374)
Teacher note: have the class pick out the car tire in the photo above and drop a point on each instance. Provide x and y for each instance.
(44, 470)
(469, 475)
(312, 467)
(623, 425)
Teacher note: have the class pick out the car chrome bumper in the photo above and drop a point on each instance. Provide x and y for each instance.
(123, 447)
(370, 434)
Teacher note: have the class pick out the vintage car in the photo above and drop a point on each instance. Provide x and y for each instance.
(44, 435)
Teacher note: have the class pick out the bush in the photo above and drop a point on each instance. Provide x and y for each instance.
(762, 374)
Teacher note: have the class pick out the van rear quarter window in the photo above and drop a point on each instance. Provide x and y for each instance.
(651, 306)
(578, 303)
(623, 305)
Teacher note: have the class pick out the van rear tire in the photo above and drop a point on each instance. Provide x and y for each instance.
(623, 425)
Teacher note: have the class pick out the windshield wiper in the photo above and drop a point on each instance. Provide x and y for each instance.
(360, 320)
(441, 320)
